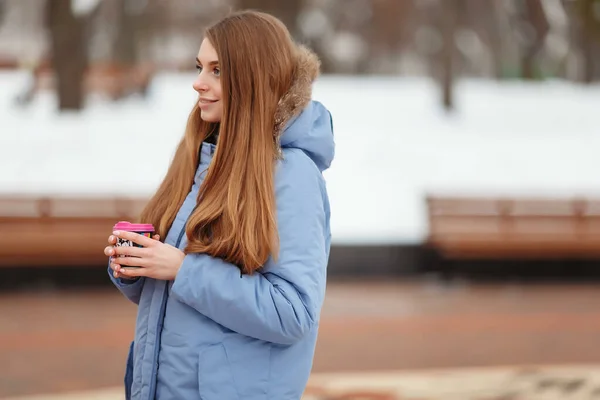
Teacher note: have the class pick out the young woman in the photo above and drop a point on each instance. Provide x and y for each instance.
(231, 289)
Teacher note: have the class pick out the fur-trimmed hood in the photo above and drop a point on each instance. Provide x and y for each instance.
(301, 122)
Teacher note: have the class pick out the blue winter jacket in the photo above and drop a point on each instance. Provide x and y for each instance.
(214, 334)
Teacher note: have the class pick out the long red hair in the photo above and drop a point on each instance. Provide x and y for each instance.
(236, 216)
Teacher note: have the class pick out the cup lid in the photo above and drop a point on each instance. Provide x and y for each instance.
(128, 226)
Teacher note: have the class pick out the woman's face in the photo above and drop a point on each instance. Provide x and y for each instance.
(208, 83)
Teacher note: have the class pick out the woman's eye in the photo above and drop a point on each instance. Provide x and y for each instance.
(198, 68)
(217, 72)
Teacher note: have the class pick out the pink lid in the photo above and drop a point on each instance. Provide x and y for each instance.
(128, 226)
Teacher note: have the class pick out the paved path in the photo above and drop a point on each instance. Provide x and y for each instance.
(55, 342)
(531, 383)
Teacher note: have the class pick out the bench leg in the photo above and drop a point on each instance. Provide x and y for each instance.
(448, 270)
(438, 265)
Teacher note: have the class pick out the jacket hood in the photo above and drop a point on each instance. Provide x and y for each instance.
(301, 122)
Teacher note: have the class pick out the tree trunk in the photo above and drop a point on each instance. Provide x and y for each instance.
(498, 29)
(449, 17)
(589, 34)
(587, 47)
(125, 46)
(528, 65)
(68, 50)
(534, 15)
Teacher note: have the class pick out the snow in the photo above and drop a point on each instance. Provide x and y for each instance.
(394, 145)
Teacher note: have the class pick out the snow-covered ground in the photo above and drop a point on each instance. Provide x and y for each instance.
(394, 145)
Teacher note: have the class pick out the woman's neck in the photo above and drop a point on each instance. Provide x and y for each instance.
(213, 136)
(212, 139)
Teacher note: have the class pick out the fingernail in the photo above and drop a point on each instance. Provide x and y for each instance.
(116, 233)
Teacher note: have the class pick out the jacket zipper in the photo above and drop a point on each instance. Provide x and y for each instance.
(161, 317)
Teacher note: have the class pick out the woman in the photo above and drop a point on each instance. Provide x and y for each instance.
(229, 304)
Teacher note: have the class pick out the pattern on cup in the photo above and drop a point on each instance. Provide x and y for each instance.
(125, 243)
(128, 243)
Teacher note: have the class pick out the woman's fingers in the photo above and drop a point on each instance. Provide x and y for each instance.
(116, 270)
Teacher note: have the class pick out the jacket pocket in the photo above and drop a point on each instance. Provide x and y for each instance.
(128, 380)
(250, 363)
(236, 369)
(214, 375)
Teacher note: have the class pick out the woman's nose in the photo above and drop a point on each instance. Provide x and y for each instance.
(199, 84)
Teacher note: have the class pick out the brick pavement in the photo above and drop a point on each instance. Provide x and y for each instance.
(77, 340)
(573, 382)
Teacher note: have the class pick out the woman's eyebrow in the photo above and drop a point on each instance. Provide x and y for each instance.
(210, 63)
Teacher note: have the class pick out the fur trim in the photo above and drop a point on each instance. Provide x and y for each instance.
(299, 95)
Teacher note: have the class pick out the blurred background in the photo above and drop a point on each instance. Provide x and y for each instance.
(465, 194)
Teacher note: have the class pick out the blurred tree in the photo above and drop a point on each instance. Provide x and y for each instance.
(68, 49)
(451, 10)
(588, 20)
(68, 53)
(287, 11)
(435, 40)
(485, 19)
(150, 23)
(389, 33)
(532, 28)
(126, 24)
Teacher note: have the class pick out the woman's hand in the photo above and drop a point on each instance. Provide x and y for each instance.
(155, 259)
(110, 252)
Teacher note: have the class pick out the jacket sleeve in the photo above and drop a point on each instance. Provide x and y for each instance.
(132, 289)
(282, 302)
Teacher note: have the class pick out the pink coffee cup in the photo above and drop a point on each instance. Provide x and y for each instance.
(142, 229)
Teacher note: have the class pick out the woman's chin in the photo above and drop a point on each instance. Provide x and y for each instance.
(210, 117)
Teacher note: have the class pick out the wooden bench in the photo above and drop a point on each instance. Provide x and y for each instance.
(40, 232)
(514, 228)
